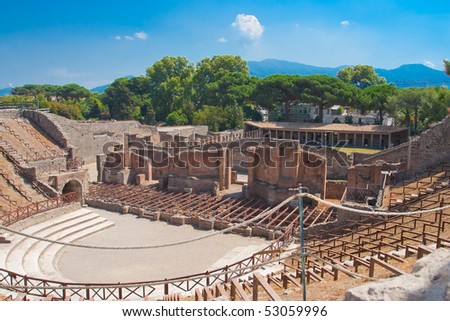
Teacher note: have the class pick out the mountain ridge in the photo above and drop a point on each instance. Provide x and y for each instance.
(406, 75)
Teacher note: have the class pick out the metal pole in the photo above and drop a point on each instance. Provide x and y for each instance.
(302, 244)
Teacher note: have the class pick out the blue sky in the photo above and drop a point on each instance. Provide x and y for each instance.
(93, 42)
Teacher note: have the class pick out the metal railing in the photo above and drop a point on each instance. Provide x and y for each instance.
(116, 291)
(21, 105)
(23, 212)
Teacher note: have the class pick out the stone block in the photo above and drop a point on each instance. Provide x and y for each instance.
(260, 231)
(178, 219)
(140, 179)
(205, 224)
(221, 225)
(164, 216)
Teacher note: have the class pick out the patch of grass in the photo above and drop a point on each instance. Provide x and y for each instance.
(350, 150)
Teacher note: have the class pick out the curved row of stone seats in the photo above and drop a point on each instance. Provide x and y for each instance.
(42, 261)
(21, 245)
(36, 258)
(49, 257)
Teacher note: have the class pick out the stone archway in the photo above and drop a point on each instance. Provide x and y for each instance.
(73, 186)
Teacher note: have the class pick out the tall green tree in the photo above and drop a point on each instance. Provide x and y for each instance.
(326, 91)
(93, 107)
(212, 116)
(375, 98)
(447, 66)
(170, 85)
(361, 76)
(404, 104)
(221, 81)
(276, 90)
(73, 92)
(128, 99)
(47, 91)
(428, 105)
(434, 106)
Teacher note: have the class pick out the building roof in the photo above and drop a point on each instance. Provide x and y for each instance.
(313, 127)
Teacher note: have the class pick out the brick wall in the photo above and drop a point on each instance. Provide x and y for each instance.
(279, 166)
(335, 189)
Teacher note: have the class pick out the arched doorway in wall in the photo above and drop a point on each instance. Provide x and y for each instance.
(73, 186)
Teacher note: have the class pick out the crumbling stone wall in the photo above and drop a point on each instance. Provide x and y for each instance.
(337, 162)
(9, 113)
(87, 138)
(124, 167)
(181, 134)
(192, 168)
(422, 152)
(430, 148)
(335, 189)
(277, 167)
(395, 154)
(363, 175)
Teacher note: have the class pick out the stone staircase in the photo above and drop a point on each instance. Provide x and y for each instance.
(38, 259)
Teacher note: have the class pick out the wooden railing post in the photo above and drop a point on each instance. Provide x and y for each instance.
(233, 292)
(166, 287)
(226, 273)
(25, 282)
(255, 288)
(120, 291)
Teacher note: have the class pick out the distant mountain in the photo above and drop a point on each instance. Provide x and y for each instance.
(5, 91)
(101, 89)
(412, 75)
(273, 66)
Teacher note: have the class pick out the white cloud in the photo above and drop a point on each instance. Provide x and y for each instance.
(10, 84)
(222, 40)
(118, 37)
(128, 38)
(429, 63)
(345, 23)
(141, 35)
(248, 26)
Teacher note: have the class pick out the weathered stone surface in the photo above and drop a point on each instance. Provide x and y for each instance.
(205, 224)
(429, 280)
(178, 219)
(278, 168)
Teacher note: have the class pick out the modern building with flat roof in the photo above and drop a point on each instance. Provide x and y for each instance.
(373, 136)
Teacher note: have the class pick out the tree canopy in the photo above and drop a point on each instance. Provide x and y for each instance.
(326, 91)
(361, 76)
(375, 98)
(220, 93)
(275, 90)
(221, 81)
(447, 66)
(170, 84)
(422, 105)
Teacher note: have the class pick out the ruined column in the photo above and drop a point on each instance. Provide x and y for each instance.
(228, 164)
(100, 162)
(221, 169)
